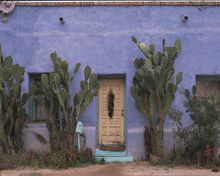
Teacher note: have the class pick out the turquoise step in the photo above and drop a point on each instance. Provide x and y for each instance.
(113, 156)
(110, 153)
(112, 159)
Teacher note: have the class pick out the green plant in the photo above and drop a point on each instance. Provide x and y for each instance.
(88, 89)
(53, 122)
(6, 163)
(200, 140)
(56, 90)
(154, 90)
(102, 161)
(12, 112)
(57, 159)
(54, 159)
(85, 156)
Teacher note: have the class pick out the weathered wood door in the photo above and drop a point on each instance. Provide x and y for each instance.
(111, 124)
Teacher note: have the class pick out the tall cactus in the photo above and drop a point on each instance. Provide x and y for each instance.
(56, 90)
(12, 112)
(154, 88)
(53, 122)
(88, 89)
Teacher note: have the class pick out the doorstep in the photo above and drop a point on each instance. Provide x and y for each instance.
(113, 156)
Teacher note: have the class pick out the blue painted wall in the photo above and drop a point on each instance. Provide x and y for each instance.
(101, 37)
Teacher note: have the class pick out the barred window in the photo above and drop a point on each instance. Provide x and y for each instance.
(37, 108)
(208, 85)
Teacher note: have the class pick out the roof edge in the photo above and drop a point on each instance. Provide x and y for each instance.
(120, 3)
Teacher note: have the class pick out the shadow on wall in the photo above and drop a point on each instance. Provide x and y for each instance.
(31, 142)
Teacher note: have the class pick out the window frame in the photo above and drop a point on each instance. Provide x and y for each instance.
(31, 104)
(208, 78)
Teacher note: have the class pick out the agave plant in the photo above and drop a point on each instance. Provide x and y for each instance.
(12, 101)
(154, 89)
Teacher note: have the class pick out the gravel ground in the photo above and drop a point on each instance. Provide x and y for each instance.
(116, 169)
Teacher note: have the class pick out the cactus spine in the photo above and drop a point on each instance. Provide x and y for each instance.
(154, 88)
(12, 101)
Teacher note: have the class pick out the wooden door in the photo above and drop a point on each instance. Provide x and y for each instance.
(111, 124)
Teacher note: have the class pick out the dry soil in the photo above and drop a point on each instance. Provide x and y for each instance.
(129, 169)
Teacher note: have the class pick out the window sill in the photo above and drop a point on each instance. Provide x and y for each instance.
(36, 125)
(36, 121)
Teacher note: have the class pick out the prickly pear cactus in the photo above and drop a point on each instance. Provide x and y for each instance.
(154, 87)
(88, 89)
(50, 83)
(12, 101)
(56, 91)
(46, 91)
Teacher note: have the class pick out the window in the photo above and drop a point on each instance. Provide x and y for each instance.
(208, 85)
(37, 109)
(208, 88)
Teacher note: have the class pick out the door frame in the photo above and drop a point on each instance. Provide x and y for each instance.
(112, 76)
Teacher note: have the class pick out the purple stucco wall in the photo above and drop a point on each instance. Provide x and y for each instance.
(101, 37)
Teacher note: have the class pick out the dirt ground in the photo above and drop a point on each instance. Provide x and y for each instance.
(129, 169)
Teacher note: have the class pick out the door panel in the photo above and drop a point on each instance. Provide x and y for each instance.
(111, 129)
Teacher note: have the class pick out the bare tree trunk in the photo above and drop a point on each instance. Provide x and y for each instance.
(147, 141)
(53, 132)
(153, 143)
(3, 139)
(71, 145)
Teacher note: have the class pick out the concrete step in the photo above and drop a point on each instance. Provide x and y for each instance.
(113, 156)
(112, 159)
(110, 153)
